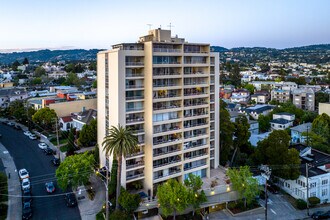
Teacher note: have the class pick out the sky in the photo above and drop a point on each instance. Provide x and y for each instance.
(101, 23)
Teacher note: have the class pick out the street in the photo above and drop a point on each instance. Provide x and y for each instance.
(27, 154)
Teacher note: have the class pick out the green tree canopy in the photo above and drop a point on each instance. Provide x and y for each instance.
(45, 118)
(234, 75)
(274, 151)
(25, 61)
(94, 85)
(173, 197)
(129, 202)
(39, 71)
(75, 171)
(249, 87)
(243, 182)
(15, 65)
(227, 129)
(88, 134)
(196, 196)
(264, 123)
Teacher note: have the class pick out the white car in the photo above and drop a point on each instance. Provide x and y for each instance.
(32, 137)
(42, 145)
(25, 184)
(23, 174)
(27, 133)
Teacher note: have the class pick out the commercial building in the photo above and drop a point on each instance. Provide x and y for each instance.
(167, 90)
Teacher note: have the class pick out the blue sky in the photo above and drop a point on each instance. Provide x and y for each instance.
(101, 23)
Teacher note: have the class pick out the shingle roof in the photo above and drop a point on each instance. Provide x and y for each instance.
(302, 128)
(281, 121)
(86, 116)
(66, 119)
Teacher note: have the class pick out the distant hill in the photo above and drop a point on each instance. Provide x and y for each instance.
(218, 49)
(50, 55)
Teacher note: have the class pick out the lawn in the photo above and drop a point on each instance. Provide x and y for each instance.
(64, 148)
(62, 141)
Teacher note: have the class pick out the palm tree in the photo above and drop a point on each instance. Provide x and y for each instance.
(120, 142)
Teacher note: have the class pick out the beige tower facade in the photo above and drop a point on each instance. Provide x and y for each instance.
(167, 91)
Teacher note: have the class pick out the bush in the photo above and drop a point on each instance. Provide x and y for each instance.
(301, 204)
(3, 211)
(119, 215)
(313, 201)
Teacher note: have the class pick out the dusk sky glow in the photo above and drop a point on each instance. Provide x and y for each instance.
(101, 23)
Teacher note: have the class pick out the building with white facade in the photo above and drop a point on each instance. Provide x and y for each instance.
(282, 121)
(280, 95)
(167, 91)
(297, 133)
(304, 99)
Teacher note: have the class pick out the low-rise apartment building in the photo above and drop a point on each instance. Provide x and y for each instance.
(280, 95)
(304, 99)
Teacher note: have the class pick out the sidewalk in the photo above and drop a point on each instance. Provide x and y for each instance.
(14, 185)
(88, 208)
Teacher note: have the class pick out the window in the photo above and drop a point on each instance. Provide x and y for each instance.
(324, 182)
(324, 192)
(312, 185)
(312, 194)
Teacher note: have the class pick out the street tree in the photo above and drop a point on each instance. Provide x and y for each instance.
(234, 75)
(39, 71)
(88, 134)
(226, 133)
(173, 197)
(129, 202)
(45, 118)
(243, 182)
(241, 135)
(120, 142)
(196, 195)
(75, 171)
(71, 142)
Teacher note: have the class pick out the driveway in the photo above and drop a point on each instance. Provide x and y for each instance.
(26, 154)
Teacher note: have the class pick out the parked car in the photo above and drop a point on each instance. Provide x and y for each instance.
(32, 136)
(27, 211)
(26, 184)
(321, 215)
(42, 145)
(48, 151)
(50, 188)
(23, 173)
(12, 124)
(70, 199)
(17, 127)
(4, 122)
(56, 161)
(26, 197)
(272, 188)
(27, 133)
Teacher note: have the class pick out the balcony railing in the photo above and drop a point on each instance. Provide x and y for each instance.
(134, 97)
(194, 73)
(169, 174)
(138, 164)
(166, 141)
(195, 93)
(195, 104)
(165, 74)
(131, 120)
(134, 74)
(166, 152)
(134, 109)
(186, 147)
(167, 96)
(166, 50)
(134, 63)
(136, 154)
(166, 130)
(195, 166)
(166, 107)
(194, 156)
(193, 135)
(165, 164)
(194, 124)
(194, 115)
(195, 83)
(134, 176)
(166, 84)
(134, 86)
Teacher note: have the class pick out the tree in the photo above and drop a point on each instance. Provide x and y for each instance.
(321, 97)
(241, 134)
(226, 133)
(264, 67)
(321, 126)
(72, 79)
(120, 142)
(118, 214)
(129, 202)
(45, 117)
(25, 61)
(274, 151)
(94, 85)
(250, 87)
(234, 75)
(75, 171)
(40, 71)
(17, 110)
(71, 139)
(264, 123)
(36, 81)
(113, 179)
(196, 197)
(88, 134)
(92, 66)
(173, 197)
(15, 65)
(243, 182)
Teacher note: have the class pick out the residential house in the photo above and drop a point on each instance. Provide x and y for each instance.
(318, 168)
(82, 118)
(297, 133)
(8, 95)
(254, 127)
(260, 97)
(282, 121)
(65, 123)
(255, 111)
(240, 95)
(255, 138)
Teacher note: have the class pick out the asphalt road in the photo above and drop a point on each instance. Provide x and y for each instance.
(28, 155)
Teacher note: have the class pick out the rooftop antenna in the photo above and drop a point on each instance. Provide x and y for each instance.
(150, 25)
(170, 26)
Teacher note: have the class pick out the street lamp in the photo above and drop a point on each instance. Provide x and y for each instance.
(106, 191)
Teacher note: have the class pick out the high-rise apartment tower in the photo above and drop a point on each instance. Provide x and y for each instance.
(167, 91)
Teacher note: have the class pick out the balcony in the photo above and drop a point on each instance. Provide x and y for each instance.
(134, 165)
(132, 98)
(134, 75)
(139, 153)
(163, 141)
(166, 74)
(165, 96)
(166, 175)
(172, 160)
(134, 109)
(163, 130)
(134, 86)
(187, 136)
(194, 166)
(190, 145)
(190, 125)
(189, 114)
(163, 107)
(166, 50)
(134, 119)
(134, 63)
(191, 156)
(166, 85)
(134, 177)
(195, 73)
(159, 152)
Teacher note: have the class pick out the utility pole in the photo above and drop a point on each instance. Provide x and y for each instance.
(58, 141)
(107, 195)
(266, 172)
